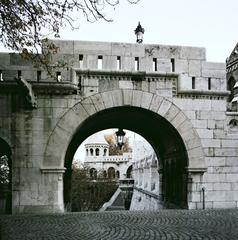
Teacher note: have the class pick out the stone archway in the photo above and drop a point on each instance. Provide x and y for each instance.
(111, 173)
(129, 172)
(176, 129)
(6, 178)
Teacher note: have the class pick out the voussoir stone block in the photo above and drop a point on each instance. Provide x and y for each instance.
(146, 100)
(164, 107)
(171, 113)
(137, 98)
(127, 96)
(88, 105)
(98, 101)
(155, 103)
(117, 98)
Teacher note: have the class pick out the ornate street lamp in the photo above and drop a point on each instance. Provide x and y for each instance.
(120, 137)
(139, 32)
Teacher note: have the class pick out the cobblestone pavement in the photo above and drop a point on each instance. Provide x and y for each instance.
(164, 224)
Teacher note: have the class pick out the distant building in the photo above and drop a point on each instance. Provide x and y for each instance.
(146, 178)
(100, 163)
(232, 79)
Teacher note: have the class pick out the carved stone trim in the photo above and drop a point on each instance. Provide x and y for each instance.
(232, 113)
(55, 87)
(99, 73)
(67, 88)
(232, 65)
(199, 170)
(28, 91)
(55, 170)
(203, 94)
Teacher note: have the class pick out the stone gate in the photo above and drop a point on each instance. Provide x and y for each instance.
(169, 94)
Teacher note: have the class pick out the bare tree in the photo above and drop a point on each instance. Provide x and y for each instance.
(25, 23)
(114, 149)
(89, 194)
(4, 170)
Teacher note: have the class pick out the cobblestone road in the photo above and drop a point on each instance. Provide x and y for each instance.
(164, 224)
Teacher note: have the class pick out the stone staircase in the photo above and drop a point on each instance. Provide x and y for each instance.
(116, 202)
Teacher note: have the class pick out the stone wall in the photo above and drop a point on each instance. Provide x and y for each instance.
(39, 137)
(143, 200)
(189, 62)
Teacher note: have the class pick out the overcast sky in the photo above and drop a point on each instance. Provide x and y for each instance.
(206, 23)
(211, 24)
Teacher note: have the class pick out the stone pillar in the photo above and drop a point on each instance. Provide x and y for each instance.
(194, 188)
(38, 191)
(154, 179)
(160, 185)
(146, 178)
(52, 179)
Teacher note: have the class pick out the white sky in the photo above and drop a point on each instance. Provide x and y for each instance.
(204, 23)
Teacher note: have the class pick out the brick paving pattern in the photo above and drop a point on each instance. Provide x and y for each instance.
(123, 225)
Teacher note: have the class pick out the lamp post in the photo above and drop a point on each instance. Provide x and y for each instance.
(139, 32)
(120, 137)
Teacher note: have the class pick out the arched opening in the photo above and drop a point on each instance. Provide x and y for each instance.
(230, 87)
(233, 123)
(93, 173)
(117, 174)
(129, 172)
(104, 152)
(111, 173)
(91, 152)
(97, 151)
(5, 178)
(160, 133)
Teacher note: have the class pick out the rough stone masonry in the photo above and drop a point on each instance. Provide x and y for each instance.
(173, 90)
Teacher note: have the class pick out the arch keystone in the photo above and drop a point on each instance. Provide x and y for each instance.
(136, 98)
(117, 98)
(127, 96)
(107, 99)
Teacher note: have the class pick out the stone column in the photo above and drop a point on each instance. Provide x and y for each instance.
(194, 188)
(52, 179)
(160, 185)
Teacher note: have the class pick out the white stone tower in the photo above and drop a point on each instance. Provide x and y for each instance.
(96, 146)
